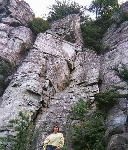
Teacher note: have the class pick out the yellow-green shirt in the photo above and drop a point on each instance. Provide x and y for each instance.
(55, 139)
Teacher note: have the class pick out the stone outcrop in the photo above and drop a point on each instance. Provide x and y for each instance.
(15, 12)
(51, 78)
(61, 102)
(68, 29)
(116, 43)
(46, 79)
(14, 43)
(15, 39)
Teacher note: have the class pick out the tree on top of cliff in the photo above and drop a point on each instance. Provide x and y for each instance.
(103, 7)
(62, 9)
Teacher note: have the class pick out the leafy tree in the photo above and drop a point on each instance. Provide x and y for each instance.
(62, 9)
(103, 7)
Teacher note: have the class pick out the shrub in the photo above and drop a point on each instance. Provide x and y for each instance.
(92, 36)
(79, 110)
(122, 18)
(88, 133)
(5, 70)
(24, 134)
(93, 31)
(62, 9)
(38, 25)
(2, 146)
(122, 73)
(105, 101)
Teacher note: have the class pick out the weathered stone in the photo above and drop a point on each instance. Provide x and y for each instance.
(60, 104)
(68, 29)
(57, 72)
(86, 68)
(118, 142)
(41, 75)
(116, 56)
(15, 12)
(21, 11)
(13, 42)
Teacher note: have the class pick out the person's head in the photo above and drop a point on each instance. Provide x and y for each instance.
(55, 129)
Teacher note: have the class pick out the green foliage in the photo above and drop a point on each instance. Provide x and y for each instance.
(24, 134)
(122, 73)
(2, 147)
(64, 147)
(92, 36)
(4, 68)
(105, 101)
(62, 9)
(123, 17)
(88, 133)
(79, 109)
(93, 31)
(24, 129)
(103, 7)
(38, 25)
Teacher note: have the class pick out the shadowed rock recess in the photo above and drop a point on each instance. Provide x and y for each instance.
(46, 78)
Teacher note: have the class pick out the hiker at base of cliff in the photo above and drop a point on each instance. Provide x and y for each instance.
(54, 141)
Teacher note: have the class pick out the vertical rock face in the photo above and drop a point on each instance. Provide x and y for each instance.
(116, 41)
(61, 102)
(55, 73)
(14, 38)
(13, 44)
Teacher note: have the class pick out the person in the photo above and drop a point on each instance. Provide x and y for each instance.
(54, 141)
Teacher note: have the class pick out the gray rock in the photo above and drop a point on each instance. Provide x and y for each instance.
(14, 42)
(15, 12)
(86, 68)
(116, 56)
(118, 142)
(68, 29)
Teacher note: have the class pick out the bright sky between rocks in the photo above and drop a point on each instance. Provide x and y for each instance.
(40, 7)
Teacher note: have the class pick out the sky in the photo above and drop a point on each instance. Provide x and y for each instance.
(40, 7)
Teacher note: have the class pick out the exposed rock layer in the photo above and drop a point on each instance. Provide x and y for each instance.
(56, 72)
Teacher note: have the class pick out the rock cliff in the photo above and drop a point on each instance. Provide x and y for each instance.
(47, 77)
